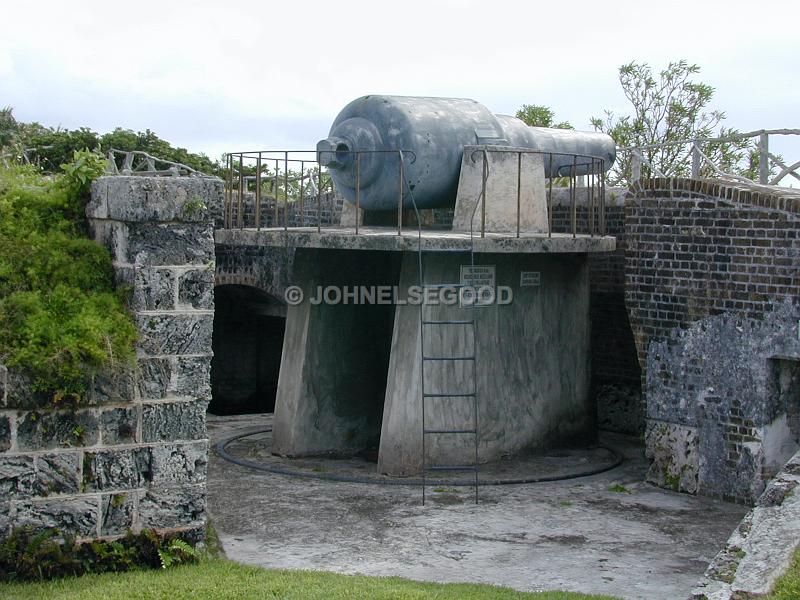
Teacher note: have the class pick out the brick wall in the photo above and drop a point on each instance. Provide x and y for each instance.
(697, 248)
(712, 289)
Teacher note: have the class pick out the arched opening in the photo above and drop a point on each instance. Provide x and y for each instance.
(247, 342)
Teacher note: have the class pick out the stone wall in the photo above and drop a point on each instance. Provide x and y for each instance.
(760, 550)
(134, 454)
(712, 285)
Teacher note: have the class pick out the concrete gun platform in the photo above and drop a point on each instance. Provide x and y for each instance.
(387, 239)
(254, 450)
(639, 542)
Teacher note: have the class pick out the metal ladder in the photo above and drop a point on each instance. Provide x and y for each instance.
(470, 465)
(469, 394)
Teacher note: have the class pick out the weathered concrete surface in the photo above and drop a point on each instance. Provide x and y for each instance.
(651, 544)
(351, 215)
(386, 238)
(335, 356)
(507, 169)
(532, 367)
(266, 268)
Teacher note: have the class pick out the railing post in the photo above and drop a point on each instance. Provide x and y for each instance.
(257, 210)
(695, 159)
(127, 166)
(519, 187)
(358, 188)
(319, 197)
(550, 199)
(602, 198)
(229, 194)
(573, 192)
(240, 203)
(302, 189)
(590, 197)
(636, 166)
(483, 192)
(275, 217)
(763, 159)
(400, 194)
(285, 190)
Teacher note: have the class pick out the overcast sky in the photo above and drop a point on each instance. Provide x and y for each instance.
(227, 75)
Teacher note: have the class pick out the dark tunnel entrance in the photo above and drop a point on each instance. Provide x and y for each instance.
(247, 342)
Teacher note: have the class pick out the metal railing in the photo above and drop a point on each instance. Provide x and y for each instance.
(694, 151)
(248, 173)
(287, 183)
(583, 172)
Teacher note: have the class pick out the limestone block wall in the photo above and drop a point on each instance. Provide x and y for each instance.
(134, 454)
(723, 398)
(760, 549)
(712, 288)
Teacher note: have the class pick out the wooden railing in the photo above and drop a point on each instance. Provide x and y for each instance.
(700, 161)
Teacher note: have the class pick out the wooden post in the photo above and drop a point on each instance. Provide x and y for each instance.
(763, 159)
(636, 166)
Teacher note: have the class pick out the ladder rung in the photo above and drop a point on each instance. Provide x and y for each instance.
(450, 431)
(446, 322)
(448, 358)
(435, 250)
(462, 395)
(452, 468)
(444, 285)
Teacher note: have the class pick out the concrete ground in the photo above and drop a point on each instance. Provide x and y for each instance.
(573, 535)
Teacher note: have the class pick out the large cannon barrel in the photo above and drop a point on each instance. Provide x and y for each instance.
(361, 149)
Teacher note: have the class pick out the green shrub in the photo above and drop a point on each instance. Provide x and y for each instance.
(28, 555)
(61, 319)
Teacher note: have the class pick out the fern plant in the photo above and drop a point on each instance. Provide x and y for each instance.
(177, 552)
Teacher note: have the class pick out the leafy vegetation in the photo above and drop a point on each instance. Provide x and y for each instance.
(226, 580)
(669, 108)
(48, 147)
(29, 555)
(147, 141)
(177, 552)
(60, 317)
(537, 115)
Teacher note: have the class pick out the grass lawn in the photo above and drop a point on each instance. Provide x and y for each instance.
(220, 579)
(788, 586)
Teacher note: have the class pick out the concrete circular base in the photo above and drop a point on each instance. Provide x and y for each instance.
(253, 449)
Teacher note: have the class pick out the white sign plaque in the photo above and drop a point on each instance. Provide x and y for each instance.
(530, 278)
(477, 276)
